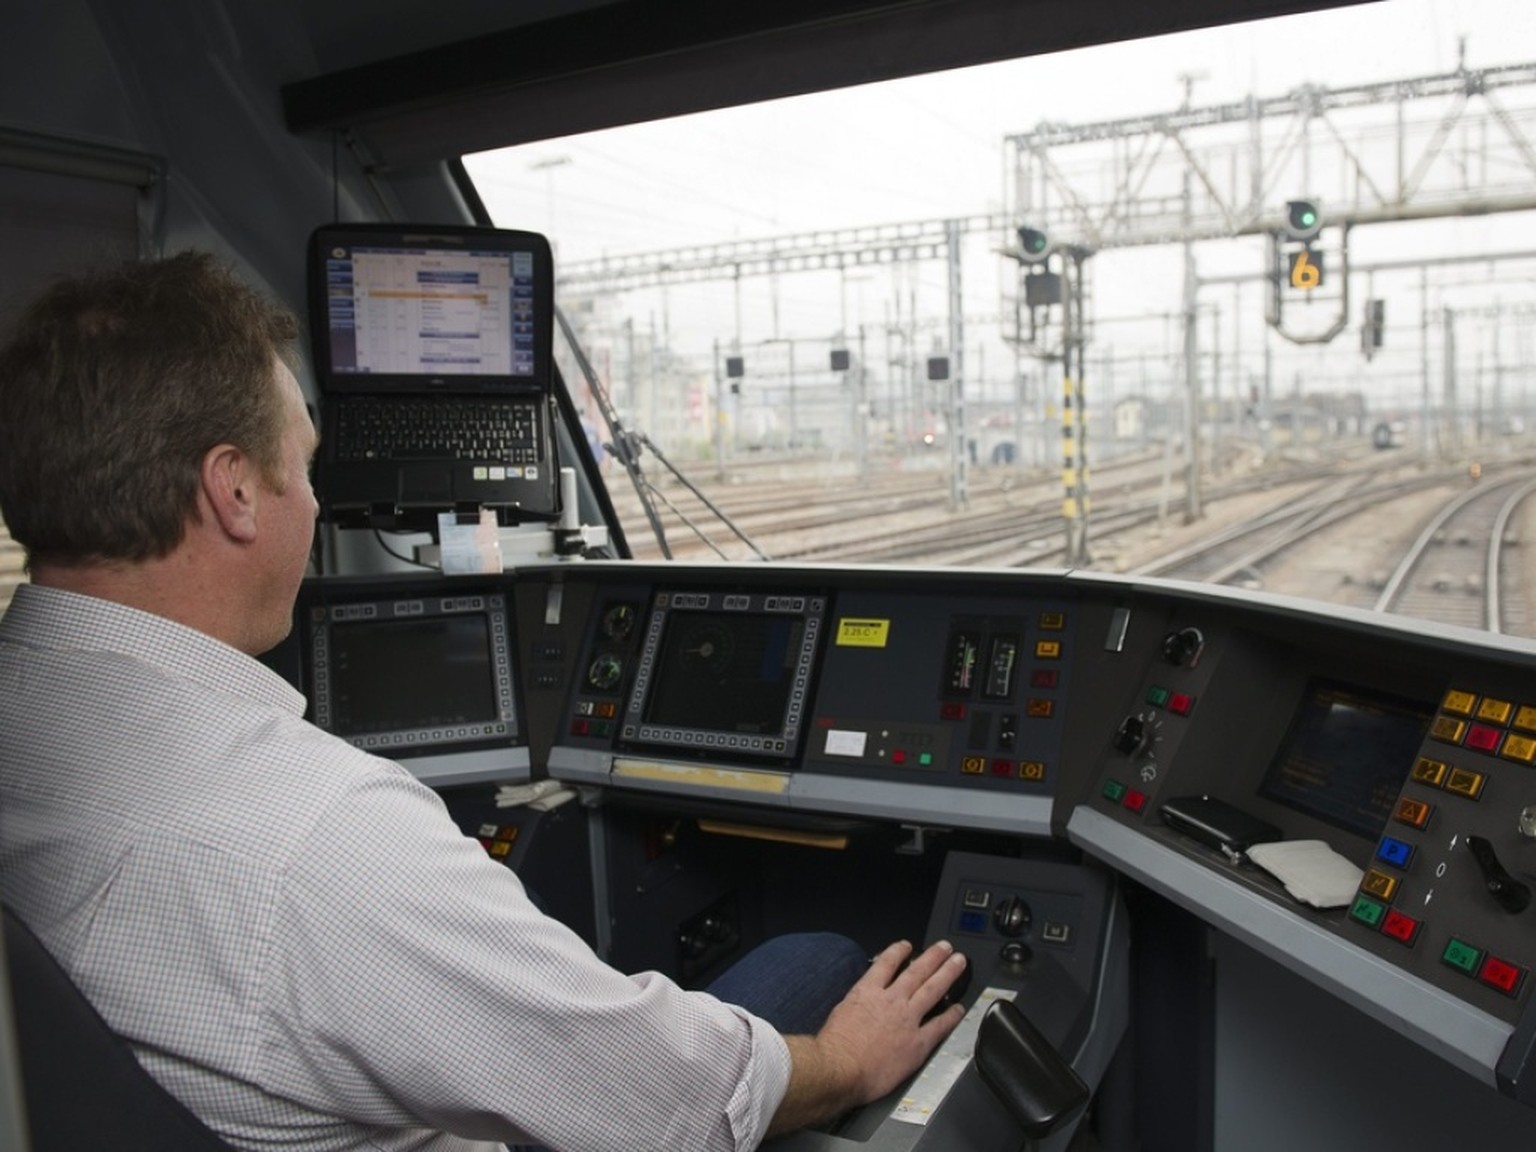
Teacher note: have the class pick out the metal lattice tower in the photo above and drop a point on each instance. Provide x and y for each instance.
(1446, 145)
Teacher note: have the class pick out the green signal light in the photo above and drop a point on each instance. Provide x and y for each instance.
(1033, 243)
(1302, 219)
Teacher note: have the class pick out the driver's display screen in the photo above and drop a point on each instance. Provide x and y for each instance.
(726, 671)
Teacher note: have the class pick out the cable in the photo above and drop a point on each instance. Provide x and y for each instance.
(379, 536)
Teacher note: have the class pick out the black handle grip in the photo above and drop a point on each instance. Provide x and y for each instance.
(1512, 896)
(1025, 1071)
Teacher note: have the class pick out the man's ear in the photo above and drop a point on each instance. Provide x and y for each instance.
(229, 486)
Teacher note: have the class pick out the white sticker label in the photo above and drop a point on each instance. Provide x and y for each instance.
(841, 742)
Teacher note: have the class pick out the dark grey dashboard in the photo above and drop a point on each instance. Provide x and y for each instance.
(1065, 708)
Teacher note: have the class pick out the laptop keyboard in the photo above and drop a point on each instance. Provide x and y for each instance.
(490, 431)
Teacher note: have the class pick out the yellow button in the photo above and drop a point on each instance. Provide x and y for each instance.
(1525, 718)
(1379, 884)
(1448, 729)
(1428, 771)
(1053, 621)
(1495, 711)
(974, 765)
(1465, 781)
(1458, 702)
(1031, 770)
(1517, 747)
(1047, 649)
(1414, 813)
(1039, 708)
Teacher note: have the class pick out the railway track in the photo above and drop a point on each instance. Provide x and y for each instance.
(817, 513)
(1339, 526)
(1432, 546)
(1461, 564)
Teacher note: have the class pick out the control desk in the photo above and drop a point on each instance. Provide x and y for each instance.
(1060, 709)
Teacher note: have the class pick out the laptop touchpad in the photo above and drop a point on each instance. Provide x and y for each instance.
(426, 484)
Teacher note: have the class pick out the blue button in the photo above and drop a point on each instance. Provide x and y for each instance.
(1394, 852)
(973, 922)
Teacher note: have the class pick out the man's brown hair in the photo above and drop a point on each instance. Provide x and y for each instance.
(113, 386)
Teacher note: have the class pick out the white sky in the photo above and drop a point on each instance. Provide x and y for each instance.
(932, 147)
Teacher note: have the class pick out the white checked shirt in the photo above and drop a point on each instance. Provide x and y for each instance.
(296, 938)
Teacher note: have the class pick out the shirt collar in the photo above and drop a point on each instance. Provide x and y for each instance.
(51, 618)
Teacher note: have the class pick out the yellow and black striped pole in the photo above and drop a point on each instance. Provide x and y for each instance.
(1075, 504)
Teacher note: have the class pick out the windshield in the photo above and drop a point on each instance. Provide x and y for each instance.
(1250, 305)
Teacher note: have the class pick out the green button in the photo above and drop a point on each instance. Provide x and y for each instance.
(1157, 697)
(1113, 790)
(1367, 911)
(925, 758)
(1460, 954)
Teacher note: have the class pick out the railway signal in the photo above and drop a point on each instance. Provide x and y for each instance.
(1034, 245)
(1303, 220)
(1373, 329)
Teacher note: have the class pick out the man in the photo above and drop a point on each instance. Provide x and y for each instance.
(293, 935)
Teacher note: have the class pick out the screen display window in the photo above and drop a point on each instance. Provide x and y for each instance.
(725, 671)
(423, 311)
(413, 676)
(374, 691)
(404, 309)
(1347, 755)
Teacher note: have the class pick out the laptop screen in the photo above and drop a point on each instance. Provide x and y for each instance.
(435, 309)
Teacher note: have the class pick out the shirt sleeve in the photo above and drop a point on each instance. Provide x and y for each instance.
(410, 981)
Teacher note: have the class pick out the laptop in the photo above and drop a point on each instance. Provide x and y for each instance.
(434, 362)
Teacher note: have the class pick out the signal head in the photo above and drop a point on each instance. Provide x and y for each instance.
(1303, 221)
(1034, 245)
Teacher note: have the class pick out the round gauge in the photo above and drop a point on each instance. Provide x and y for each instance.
(619, 622)
(605, 672)
(708, 648)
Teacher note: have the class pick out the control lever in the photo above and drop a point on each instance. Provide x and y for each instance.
(1511, 894)
(1031, 1079)
(1131, 736)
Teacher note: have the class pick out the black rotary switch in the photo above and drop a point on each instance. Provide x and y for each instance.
(1011, 916)
(1183, 646)
(1131, 736)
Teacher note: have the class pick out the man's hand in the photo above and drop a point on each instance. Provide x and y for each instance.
(874, 1039)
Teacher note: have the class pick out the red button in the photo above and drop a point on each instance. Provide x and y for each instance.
(1501, 974)
(1135, 800)
(1483, 738)
(1044, 678)
(952, 712)
(579, 726)
(1002, 767)
(1181, 703)
(1404, 928)
(898, 757)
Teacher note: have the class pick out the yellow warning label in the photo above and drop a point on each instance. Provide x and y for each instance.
(862, 632)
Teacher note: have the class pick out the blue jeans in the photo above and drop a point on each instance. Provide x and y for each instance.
(793, 981)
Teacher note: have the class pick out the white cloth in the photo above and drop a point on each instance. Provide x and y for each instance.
(297, 939)
(1310, 870)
